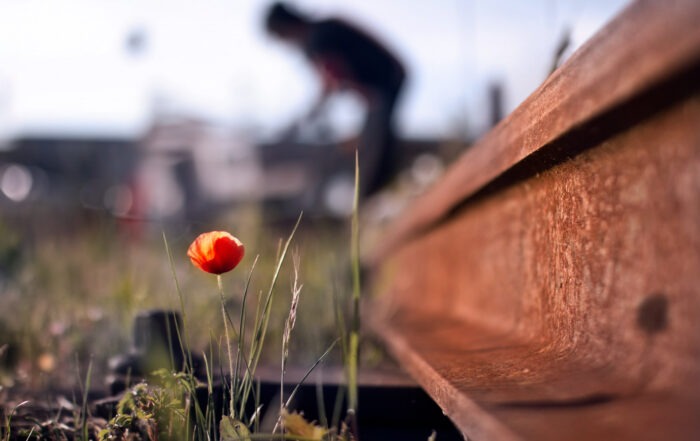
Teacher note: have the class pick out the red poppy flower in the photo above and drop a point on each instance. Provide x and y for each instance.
(216, 252)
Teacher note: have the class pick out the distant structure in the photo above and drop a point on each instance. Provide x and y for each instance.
(136, 41)
(495, 92)
(49, 178)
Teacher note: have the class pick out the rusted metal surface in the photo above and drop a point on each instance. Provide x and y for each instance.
(549, 287)
(649, 43)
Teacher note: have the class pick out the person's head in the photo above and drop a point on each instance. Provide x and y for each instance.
(285, 21)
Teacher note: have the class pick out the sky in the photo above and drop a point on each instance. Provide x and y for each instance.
(66, 67)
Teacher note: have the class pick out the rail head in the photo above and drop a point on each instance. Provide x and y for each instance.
(649, 43)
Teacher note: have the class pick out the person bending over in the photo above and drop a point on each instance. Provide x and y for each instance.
(348, 58)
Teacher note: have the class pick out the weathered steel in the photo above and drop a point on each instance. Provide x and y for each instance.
(549, 287)
(649, 43)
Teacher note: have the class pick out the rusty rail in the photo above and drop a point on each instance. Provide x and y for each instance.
(549, 286)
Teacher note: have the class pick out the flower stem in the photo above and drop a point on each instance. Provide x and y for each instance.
(228, 342)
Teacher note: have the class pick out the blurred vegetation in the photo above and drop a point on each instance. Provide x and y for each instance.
(69, 295)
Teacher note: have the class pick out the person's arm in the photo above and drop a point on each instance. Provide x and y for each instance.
(332, 74)
(328, 86)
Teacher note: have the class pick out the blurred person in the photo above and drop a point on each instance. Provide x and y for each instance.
(348, 58)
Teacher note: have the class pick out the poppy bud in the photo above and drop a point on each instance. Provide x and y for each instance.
(216, 252)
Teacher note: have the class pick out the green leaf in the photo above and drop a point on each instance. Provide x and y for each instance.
(230, 429)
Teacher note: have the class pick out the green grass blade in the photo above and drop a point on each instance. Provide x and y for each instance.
(354, 340)
(263, 320)
(311, 369)
(181, 333)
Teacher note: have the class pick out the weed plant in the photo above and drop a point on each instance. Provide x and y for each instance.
(168, 405)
